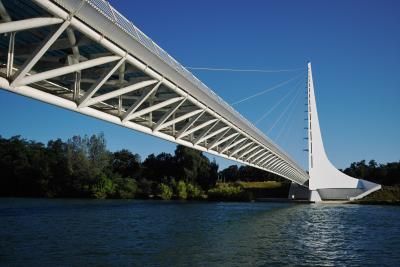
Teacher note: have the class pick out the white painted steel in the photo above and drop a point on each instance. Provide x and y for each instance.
(220, 141)
(118, 92)
(64, 70)
(167, 115)
(102, 80)
(205, 121)
(38, 53)
(178, 119)
(153, 108)
(139, 102)
(26, 24)
(67, 104)
(323, 175)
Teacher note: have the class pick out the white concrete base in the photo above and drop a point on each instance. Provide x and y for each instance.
(314, 196)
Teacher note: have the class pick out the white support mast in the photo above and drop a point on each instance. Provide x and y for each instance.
(327, 182)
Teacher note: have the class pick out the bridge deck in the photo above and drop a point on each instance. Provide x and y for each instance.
(85, 56)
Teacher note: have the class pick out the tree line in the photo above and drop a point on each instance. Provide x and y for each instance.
(385, 174)
(84, 167)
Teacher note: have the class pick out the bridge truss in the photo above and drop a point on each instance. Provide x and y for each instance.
(86, 57)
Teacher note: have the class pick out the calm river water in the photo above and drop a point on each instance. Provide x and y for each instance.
(40, 232)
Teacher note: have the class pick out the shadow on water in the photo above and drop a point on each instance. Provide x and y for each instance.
(157, 233)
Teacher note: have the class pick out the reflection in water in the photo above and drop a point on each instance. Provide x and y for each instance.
(152, 233)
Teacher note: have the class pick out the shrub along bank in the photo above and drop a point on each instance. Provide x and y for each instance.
(83, 167)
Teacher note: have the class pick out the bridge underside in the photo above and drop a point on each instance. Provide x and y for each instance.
(84, 56)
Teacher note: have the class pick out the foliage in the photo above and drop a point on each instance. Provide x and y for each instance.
(125, 163)
(83, 167)
(165, 191)
(181, 190)
(194, 191)
(234, 173)
(103, 187)
(385, 174)
(126, 187)
(260, 185)
(145, 188)
(229, 192)
(387, 195)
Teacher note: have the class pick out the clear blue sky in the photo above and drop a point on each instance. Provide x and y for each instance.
(354, 47)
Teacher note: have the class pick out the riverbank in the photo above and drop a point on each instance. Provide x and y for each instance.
(266, 191)
(388, 195)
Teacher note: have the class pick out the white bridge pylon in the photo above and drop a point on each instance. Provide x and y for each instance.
(326, 182)
(86, 57)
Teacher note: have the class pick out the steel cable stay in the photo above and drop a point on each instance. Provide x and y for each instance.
(286, 134)
(262, 117)
(289, 118)
(279, 85)
(244, 70)
(283, 112)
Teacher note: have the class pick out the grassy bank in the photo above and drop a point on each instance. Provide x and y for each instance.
(260, 185)
(248, 191)
(388, 195)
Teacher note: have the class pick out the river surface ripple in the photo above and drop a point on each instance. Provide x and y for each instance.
(44, 232)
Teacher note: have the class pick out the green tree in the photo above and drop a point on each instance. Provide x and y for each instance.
(193, 191)
(126, 187)
(103, 187)
(181, 188)
(144, 188)
(165, 191)
(126, 164)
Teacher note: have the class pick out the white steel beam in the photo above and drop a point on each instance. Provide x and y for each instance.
(233, 144)
(153, 108)
(259, 157)
(73, 43)
(38, 53)
(244, 153)
(180, 118)
(212, 135)
(205, 132)
(218, 137)
(268, 160)
(140, 101)
(166, 116)
(286, 169)
(272, 162)
(70, 105)
(65, 70)
(27, 24)
(10, 56)
(241, 148)
(277, 166)
(273, 159)
(222, 140)
(255, 154)
(229, 142)
(3, 13)
(196, 128)
(118, 92)
(148, 70)
(99, 83)
(261, 161)
(189, 124)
